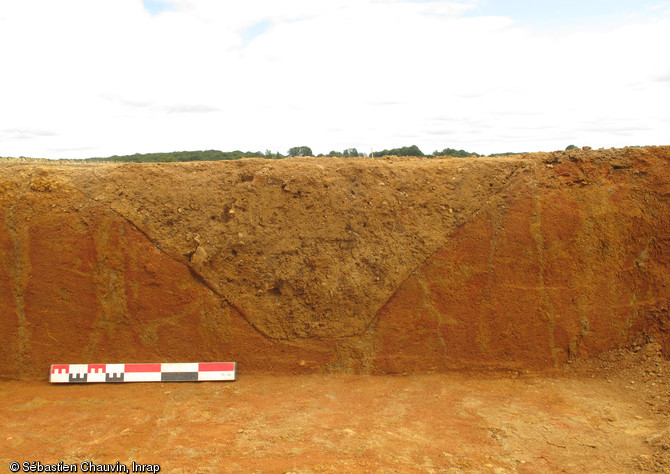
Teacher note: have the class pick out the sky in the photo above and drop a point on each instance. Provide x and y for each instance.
(89, 78)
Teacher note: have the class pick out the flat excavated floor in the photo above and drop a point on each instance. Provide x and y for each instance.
(577, 422)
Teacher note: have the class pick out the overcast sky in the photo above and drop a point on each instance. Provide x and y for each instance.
(82, 78)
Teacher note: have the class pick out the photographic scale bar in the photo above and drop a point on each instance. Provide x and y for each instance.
(117, 373)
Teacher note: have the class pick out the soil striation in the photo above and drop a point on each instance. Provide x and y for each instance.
(305, 265)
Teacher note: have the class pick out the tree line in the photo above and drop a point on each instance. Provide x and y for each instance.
(403, 151)
(175, 156)
(216, 155)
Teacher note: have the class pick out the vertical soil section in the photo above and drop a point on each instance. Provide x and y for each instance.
(558, 268)
(342, 265)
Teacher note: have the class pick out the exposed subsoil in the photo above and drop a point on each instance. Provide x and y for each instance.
(490, 314)
(360, 266)
(611, 414)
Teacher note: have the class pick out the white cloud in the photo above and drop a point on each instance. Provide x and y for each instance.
(107, 77)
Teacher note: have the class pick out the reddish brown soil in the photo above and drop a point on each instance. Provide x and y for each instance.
(607, 415)
(335, 265)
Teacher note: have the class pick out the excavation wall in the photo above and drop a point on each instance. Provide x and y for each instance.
(392, 265)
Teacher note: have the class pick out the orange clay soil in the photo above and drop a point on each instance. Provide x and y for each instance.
(385, 266)
(610, 414)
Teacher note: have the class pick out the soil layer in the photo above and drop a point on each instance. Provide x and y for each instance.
(386, 266)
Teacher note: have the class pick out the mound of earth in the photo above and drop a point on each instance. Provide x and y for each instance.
(304, 265)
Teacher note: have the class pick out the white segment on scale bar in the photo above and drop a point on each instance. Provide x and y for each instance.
(205, 376)
(180, 367)
(142, 377)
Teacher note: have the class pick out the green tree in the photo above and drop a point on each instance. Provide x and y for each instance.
(300, 151)
(454, 152)
(404, 151)
(570, 147)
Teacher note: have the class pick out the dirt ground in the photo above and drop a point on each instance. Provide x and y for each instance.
(611, 414)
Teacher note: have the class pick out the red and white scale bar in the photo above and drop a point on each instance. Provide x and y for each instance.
(116, 373)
